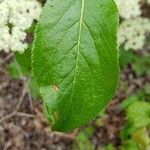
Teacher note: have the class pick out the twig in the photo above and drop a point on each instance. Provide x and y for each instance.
(40, 115)
(21, 98)
(70, 136)
(25, 115)
(18, 105)
(7, 117)
(30, 101)
(27, 84)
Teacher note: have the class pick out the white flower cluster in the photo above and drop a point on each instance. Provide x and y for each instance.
(16, 17)
(133, 27)
(132, 33)
(129, 8)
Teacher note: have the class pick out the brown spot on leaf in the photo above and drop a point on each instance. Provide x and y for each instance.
(55, 88)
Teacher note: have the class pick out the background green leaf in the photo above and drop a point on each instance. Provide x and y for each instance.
(140, 63)
(21, 67)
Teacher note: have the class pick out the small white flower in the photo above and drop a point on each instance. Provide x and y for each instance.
(4, 38)
(4, 13)
(16, 17)
(129, 8)
(132, 33)
(17, 40)
(132, 27)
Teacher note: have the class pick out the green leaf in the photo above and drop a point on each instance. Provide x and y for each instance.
(109, 147)
(21, 65)
(14, 70)
(126, 57)
(75, 59)
(34, 89)
(141, 136)
(82, 142)
(130, 145)
(138, 114)
(140, 63)
(24, 61)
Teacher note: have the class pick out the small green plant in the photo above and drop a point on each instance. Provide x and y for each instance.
(135, 131)
(82, 141)
(140, 63)
(135, 134)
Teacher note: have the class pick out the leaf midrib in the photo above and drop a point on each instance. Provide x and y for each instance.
(78, 47)
(78, 44)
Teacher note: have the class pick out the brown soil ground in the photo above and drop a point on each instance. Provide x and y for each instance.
(28, 129)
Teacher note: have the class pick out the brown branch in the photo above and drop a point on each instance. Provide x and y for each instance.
(70, 136)
(30, 101)
(25, 115)
(15, 112)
